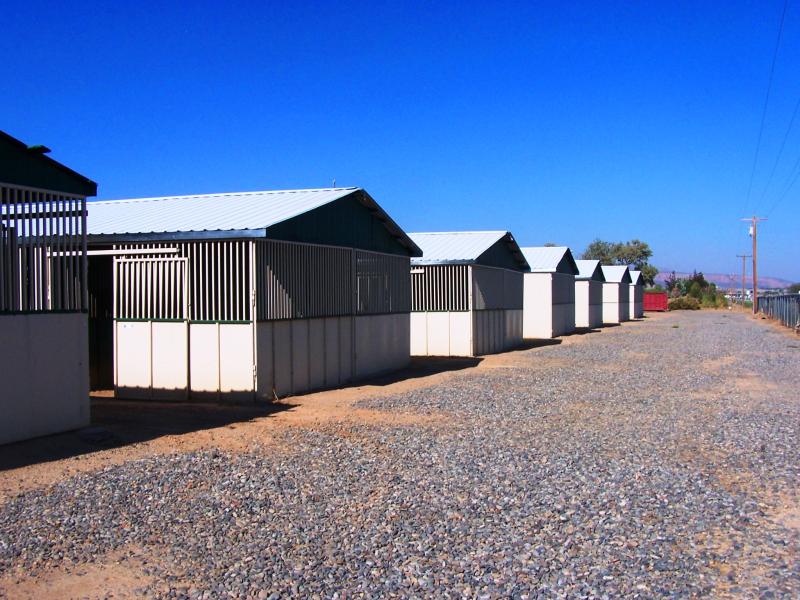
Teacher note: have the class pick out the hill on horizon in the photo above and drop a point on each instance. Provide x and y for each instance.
(733, 280)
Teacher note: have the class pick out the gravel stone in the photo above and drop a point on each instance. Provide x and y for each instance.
(645, 461)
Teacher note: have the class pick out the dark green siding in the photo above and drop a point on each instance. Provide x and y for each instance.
(344, 222)
(499, 255)
(20, 166)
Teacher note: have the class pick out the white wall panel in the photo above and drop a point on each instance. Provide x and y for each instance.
(299, 355)
(236, 361)
(333, 351)
(316, 352)
(613, 303)
(282, 332)
(265, 379)
(538, 306)
(204, 358)
(460, 324)
(134, 359)
(45, 386)
(170, 360)
(438, 334)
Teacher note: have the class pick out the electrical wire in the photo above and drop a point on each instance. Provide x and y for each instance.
(766, 104)
(780, 151)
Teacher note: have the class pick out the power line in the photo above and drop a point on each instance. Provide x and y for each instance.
(790, 181)
(766, 103)
(780, 151)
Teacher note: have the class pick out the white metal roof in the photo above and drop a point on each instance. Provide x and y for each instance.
(228, 212)
(636, 277)
(550, 259)
(207, 212)
(439, 247)
(589, 269)
(616, 273)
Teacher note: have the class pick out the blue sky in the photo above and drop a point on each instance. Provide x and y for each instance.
(562, 122)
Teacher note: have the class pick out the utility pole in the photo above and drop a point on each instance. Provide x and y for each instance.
(744, 257)
(754, 221)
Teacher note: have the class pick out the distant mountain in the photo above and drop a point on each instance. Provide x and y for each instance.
(731, 280)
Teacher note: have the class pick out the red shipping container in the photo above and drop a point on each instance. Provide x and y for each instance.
(655, 301)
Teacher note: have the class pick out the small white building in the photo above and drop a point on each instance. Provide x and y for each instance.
(43, 299)
(246, 296)
(616, 293)
(549, 309)
(636, 295)
(466, 293)
(589, 294)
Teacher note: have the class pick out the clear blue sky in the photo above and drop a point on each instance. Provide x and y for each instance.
(559, 121)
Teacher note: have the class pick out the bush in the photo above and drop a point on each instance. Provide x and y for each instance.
(684, 303)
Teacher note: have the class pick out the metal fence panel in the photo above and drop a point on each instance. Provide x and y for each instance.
(42, 250)
(785, 308)
(439, 288)
(217, 276)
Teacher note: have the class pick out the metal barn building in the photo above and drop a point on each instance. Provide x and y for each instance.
(616, 293)
(549, 309)
(43, 300)
(636, 295)
(246, 296)
(466, 293)
(589, 294)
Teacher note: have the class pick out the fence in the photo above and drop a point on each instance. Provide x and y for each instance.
(212, 281)
(436, 288)
(42, 251)
(784, 308)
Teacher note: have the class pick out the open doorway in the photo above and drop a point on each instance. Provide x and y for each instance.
(101, 323)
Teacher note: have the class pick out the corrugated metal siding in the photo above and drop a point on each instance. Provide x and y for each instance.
(297, 281)
(42, 251)
(496, 288)
(383, 284)
(438, 288)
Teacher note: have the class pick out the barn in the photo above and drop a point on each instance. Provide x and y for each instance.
(246, 297)
(466, 293)
(43, 297)
(636, 295)
(549, 309)
(616, 293)
(589, 294)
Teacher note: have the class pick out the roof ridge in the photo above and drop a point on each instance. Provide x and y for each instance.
(221, 195)
(457, 232)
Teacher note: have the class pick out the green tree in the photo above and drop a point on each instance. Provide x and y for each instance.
(794, 288)
(634, 253)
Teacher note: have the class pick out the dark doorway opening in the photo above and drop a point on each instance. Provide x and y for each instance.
(101, 323)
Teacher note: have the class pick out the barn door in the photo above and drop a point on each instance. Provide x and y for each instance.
(151, 312)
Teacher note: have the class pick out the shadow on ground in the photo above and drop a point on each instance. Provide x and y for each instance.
(117, 423)
(528, 344)
(421, 366)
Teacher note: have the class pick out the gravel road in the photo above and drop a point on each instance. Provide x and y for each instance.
(656, 459)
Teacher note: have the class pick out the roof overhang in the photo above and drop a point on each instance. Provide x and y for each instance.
(30, 167)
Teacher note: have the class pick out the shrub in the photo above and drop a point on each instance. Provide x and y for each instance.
(684, 303)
